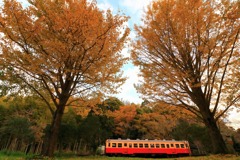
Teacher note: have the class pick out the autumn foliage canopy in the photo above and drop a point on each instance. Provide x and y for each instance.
(62, 49)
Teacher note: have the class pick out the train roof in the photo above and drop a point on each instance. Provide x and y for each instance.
(145, 140)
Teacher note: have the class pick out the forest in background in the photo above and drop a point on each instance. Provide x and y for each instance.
(24, 123)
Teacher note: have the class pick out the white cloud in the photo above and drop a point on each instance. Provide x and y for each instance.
(125, 52)
(25, 2)
(135, 8)
(234, 119)
(105, 5)
(136, 5)
(127, 90)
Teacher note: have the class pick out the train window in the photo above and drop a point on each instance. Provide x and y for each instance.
(182, 145)
(177, 146)
(119, 145)
(114, 145)
(109, 144)
(157, 146)
(130, 145)
(172, 145)
(162, 145)
(152, 145)
(168, 146)
(135, 145)
(146, 145)
(140, 145)
(125, 144)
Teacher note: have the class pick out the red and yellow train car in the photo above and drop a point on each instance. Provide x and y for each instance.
(147, 147)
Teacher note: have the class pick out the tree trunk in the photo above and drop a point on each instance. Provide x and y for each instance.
(52, 138)
(39, 148)
(8, 142)
(218, 143)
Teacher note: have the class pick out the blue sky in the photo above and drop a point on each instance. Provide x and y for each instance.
(134, 9)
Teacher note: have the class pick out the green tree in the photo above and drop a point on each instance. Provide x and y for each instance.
(62, 49)
(194, 133)
(16, 130)
(111, 104)
(90, 131)
(34, 111)
(69, 130)
(186, 51)
(3, 114)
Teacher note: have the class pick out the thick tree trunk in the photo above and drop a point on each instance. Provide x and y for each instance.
(52, 138)
(218, 143)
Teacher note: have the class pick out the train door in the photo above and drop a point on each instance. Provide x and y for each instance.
(130, 148)
(172, 148)
(152, 148)
(125, 148)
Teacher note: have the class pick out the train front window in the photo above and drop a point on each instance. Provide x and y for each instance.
(182, 145)
(119, 145)
(114, 145)
(109, 144)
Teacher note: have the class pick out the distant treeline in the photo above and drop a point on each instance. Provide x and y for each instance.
(25, 121)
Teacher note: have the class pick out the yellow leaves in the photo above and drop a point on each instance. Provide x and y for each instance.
(185, 45)
(122, 118)
(74, 32)
(153, 126)
(68, 47)
(125, 113)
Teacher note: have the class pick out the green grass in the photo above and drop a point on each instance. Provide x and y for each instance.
(213, 157)
(6, 155)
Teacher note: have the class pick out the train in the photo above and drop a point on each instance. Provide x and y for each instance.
(160, 148)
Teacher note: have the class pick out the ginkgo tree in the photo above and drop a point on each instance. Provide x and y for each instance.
(187, 52)
(62, 49)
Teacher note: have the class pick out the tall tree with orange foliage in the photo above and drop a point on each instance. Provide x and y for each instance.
(123, 119)
(68, 48)
(186, 51)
